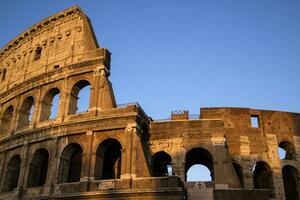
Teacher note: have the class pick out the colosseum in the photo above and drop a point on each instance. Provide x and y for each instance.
(118, 152)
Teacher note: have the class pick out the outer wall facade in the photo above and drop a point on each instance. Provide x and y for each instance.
(118, 152)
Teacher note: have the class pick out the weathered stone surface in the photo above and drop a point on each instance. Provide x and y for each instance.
(113, 152)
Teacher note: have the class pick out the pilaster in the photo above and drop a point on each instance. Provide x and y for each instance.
(52, 178)
(87, 167)
(2, 168)
(24, 164)
(128, 165)
(274, 161)
(37, 108)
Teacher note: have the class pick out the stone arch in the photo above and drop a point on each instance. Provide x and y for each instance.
(290, 176)
(12, 174)
(160, 162)
(48, 104)
(6, 119)
(75, 96)
(26, 112)
(239, 172)
(38, 168)
(108, 159)
(199, 156)
(288, 148)
(70, 163)
(263, 176)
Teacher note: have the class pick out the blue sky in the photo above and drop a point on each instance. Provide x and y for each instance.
(171, 55)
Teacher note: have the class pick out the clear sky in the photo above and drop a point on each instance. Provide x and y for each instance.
(171, 55)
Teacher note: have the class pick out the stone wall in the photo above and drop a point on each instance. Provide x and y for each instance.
(118, 152)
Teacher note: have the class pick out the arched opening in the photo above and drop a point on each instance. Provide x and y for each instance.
(290, 181)
(199, 165)
(263, 176)
(26, 112)
(286, 150)
(70, 163)
(239, 172)
(108, 160)
(161, 164)
(37, 53)
(38, 168)
(3, 75)
(80, 97)
(50, 104)
(7, 119)
(12, 174)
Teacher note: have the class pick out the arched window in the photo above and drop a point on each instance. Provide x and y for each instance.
(239, 172)
(50, 104)
(38, 168)
(199, 165)
(6, 119)
(290, 177)
(161, 164)
(70, 163)
(80, 97)
(262, 176)
(12, 174)
(37, 53)
(3, 75)
(108, 160)
(286, 150)
(26, 112)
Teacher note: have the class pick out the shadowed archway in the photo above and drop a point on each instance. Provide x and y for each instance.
(160, 163)
(12, 174)
(290, 176)
(38, 168)
(108, 160)
(70, 163)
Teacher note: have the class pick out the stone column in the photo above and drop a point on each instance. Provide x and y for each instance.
(178, 157)
(64, 100)
(297, 157)
(2, 168)
(86, 163)
(105, 96)
(178, 166)
(297, 149)
(95, 89)
(220, 160)
(128, 167)
(14, 122)
(248, 176)
(37, 108)
(24, 164)
(247, 167)
(274, 161)
(52, 177)
(87, 167)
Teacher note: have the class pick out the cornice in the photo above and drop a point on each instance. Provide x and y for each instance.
(33, 30)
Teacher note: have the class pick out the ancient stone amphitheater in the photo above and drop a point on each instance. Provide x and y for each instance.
(118, 152)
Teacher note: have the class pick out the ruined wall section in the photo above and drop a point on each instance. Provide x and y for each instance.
(61, 39)
(232, 135)
(238, 128)
(248, 144)
(57, 53)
